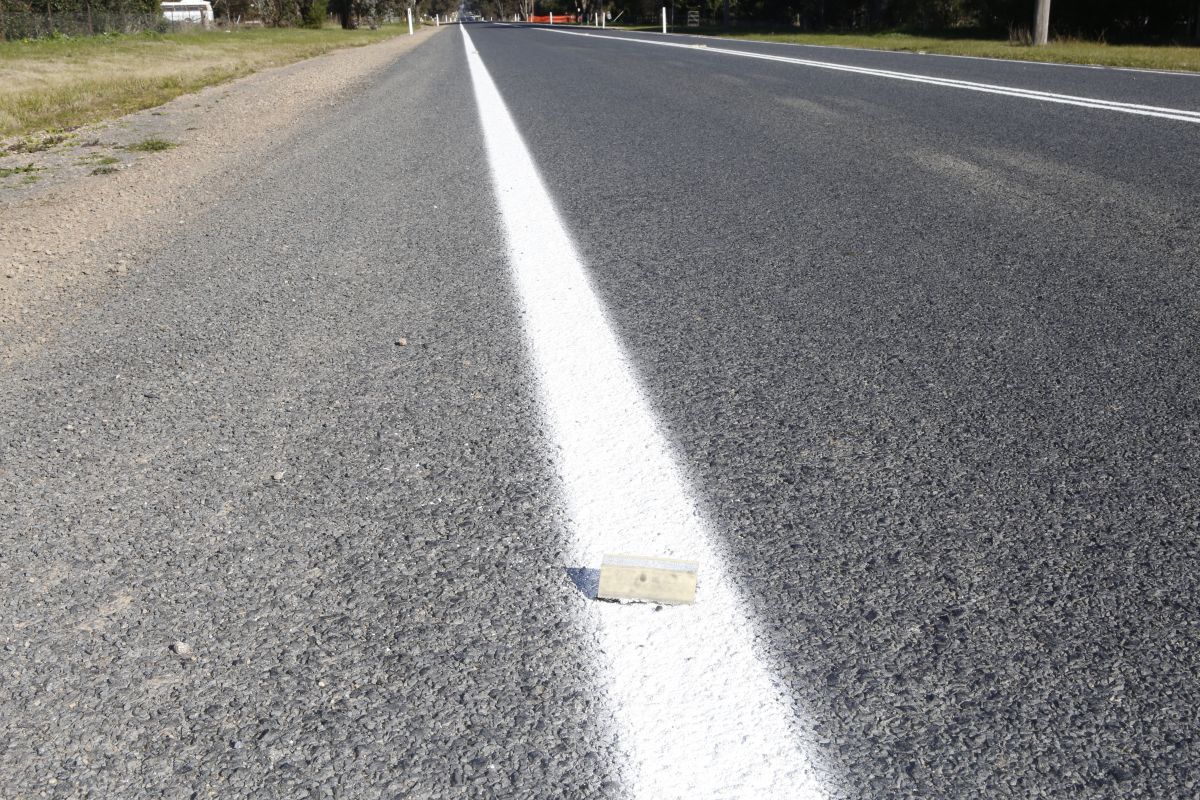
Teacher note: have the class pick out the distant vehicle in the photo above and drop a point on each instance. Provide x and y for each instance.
(199, 12)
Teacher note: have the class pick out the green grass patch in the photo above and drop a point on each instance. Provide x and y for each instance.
(28, 169)
(151, 146)
(98, 160)
(1169, 57)
(55, 84)
(36, 144)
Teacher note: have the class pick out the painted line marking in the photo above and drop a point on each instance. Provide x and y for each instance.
(914, 53)
(1178, 114)
(699, 715)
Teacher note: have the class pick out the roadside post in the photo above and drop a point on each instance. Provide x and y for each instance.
(664, 19)
(437, 21)
(1041, 27)
(551, 17)
(410, 28)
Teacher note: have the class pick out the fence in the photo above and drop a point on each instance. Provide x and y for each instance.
(26, 25)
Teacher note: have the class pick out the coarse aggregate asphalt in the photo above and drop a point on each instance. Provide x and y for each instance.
(1147, 87)
(926, 355)
(929, 358)
(390, 618)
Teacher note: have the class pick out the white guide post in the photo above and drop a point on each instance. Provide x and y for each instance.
(1041, 25)
(664, 19)
(410, 28)
(551, 17)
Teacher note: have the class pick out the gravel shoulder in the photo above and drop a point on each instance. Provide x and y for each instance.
(86, 211)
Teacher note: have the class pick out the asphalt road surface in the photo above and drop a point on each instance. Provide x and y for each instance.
(299, 513)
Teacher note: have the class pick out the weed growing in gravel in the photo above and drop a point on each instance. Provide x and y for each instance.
(27, 170)
(98, 160)
(150, 146)
(104, 170)
(36, 144)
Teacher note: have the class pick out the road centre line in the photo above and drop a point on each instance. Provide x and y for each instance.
(925, 54)
(697, 711)
(1178, 114)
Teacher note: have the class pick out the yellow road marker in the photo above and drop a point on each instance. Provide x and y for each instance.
(669, 581)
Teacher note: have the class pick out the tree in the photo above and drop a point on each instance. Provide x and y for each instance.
(345, 13)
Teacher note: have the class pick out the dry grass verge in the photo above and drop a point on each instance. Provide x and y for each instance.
(62, 83)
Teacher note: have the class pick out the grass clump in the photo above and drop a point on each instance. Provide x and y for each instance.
(98, 160)
(150, 146)
(36, 144)
(104, 170)
(27, 170)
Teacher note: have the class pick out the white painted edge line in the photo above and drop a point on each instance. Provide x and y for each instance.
(697, 712)
(1178, 114)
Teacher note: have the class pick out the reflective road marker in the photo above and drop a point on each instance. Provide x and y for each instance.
(698, 711)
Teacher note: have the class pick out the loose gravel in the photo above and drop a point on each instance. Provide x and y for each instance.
(96, 205)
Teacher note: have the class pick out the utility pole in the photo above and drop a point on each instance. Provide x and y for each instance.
(1041, 28)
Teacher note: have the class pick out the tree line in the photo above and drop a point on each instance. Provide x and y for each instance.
(1109, 20)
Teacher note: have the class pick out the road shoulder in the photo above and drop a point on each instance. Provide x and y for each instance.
(97, 207)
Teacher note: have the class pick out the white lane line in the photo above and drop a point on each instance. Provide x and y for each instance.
(699, 714)
(1178, 114)
(923, 54)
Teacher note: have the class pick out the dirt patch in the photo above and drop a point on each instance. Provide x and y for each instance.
(78, 214)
